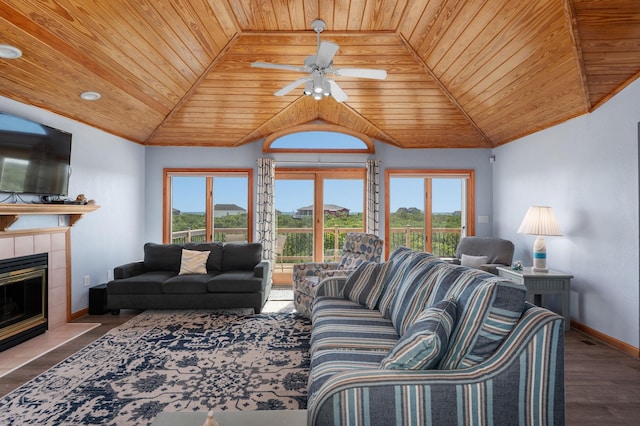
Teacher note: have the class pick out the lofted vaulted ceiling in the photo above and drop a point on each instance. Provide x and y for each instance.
(460, 73)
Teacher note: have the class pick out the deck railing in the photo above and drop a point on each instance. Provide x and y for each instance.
(299, 245)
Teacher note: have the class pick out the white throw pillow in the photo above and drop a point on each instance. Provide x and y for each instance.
(194, 262)
(473, 261)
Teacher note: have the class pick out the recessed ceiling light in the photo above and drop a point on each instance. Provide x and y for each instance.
(90, 96)
(9, 52)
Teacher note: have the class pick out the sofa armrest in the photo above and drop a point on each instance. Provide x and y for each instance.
(262, 269)
(332, 286)
(492, 268)
(301, 271)
(128, 270)
(522, 382)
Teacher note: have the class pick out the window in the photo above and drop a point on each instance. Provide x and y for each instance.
(207, 205)
(428, 210)
(319, 138)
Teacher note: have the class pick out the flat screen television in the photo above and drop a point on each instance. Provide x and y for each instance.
(34, 158)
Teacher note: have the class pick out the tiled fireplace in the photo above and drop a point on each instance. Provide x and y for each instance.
(23, 298)
(53, 245)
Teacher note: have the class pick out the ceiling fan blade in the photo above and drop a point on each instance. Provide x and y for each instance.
(336, 91)
(277, 66)
(361, 72)
(326, 52)
(289, 87)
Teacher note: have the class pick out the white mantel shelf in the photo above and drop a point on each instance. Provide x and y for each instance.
(9, 213)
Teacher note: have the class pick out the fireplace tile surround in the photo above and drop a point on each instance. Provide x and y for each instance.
(55, 243)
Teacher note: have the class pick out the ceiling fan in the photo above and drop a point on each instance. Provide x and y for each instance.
(318, 66)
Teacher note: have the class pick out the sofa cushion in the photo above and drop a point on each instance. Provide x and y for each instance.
(148, 282)
(488, 309)
(328, 306)
(344, 332)
(241, 257)
(426, 340)
(473, 261)
(187, 284)
(235, 282)
(412, 295)
(162, 257)
(401, 257)
(193, 262)
(214, 262)
(364, 285)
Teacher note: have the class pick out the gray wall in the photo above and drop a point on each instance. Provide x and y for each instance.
(587, 170)
(109, 170)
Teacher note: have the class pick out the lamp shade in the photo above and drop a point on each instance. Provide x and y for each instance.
(539, 220)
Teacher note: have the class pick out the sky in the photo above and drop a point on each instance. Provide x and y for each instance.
(318, 140)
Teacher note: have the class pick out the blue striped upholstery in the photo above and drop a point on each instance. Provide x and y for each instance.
(488, 309)
(412, 294)
(327, 306)
(326, 363)
(401, 257)
(521, 383)
(503, 363)
(333, 286)
(336, 327)
(365, 284)
(425, 342)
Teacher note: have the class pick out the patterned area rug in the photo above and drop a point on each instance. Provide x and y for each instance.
(172, 361)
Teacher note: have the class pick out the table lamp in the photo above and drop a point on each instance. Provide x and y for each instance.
(539, 221)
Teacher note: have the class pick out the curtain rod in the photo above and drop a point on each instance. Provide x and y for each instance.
(359, 163)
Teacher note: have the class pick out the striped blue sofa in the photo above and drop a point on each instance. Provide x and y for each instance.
(436, 344)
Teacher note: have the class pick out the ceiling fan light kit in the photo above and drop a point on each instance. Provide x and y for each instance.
(318, 66)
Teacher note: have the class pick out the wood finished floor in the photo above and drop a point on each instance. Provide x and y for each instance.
(602, 384)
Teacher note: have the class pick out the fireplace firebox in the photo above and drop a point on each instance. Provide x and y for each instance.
(23, 298)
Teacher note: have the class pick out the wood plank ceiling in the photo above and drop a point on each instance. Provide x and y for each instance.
(460, 73)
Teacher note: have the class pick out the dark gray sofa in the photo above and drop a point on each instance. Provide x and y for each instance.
(236, 277)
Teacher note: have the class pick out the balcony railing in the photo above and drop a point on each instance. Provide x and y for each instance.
(299, 244)
(189, 236)
(200, 235)
(443, 240)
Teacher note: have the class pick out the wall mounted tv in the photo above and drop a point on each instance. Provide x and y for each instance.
(34, 158)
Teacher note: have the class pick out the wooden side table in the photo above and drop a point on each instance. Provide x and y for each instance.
(539, 283)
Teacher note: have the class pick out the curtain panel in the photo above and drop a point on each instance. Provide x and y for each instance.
(266, 210)
(373, 197)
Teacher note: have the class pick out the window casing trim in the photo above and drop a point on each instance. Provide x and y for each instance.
(168, 173)
(467, 175)
(318, 127)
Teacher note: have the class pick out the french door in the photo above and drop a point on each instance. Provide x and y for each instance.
(428, 210)
(315, 210)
